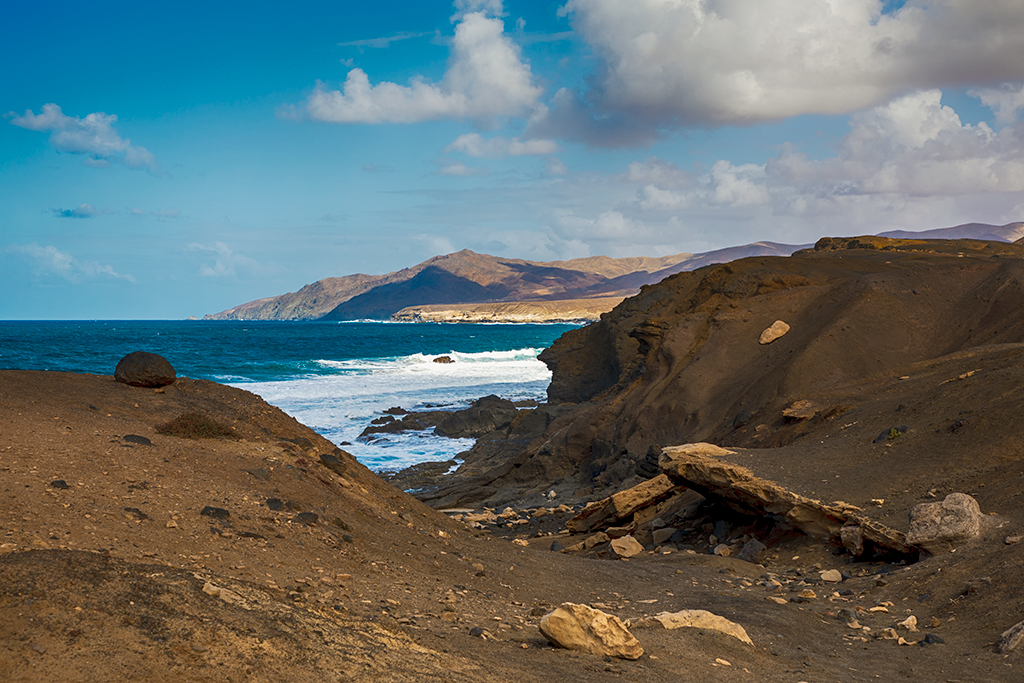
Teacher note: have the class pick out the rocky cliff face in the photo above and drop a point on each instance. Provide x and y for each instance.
(681, 361)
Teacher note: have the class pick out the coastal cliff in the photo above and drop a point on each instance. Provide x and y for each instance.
(681, 362)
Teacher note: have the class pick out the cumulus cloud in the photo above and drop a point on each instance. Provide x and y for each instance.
(666, 63)
(226, 261)
(93, 136)
(49, 260)
(475, 145)
(80, 211)
(486, 78)
(913, 147)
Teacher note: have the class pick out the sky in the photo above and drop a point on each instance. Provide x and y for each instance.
(166, 159)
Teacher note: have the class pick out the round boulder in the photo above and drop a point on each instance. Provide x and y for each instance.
(142, 369)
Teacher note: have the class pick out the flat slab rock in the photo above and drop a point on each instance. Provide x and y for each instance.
(707, 468)
(693, 618)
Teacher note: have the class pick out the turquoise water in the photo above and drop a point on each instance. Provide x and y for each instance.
(334, 377)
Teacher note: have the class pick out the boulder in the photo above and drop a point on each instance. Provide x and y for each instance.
(143, 369)
(485, 415)
(695, 618)
(444, 360)
(939, 526)
(627, 546)
(579, 627)
(777, 329)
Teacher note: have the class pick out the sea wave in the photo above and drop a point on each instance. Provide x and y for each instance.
(339, 398)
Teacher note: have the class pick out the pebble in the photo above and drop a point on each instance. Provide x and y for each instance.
(831, 576)
(1010, 540)
(932, 639)
(38, 647)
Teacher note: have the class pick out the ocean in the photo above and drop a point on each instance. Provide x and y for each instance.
(333, 377)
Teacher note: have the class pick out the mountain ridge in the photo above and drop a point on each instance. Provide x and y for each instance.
(466, 277)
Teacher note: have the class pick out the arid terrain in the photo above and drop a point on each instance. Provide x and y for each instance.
(128, 552)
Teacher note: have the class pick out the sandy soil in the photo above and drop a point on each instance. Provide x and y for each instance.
(120, 576)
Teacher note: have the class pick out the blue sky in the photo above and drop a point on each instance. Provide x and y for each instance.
(161, 160)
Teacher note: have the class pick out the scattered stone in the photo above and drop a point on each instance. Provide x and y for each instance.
(597, 539)
(39, 647)
(694, 618)
(260, 473)
(333, 463)
(224, 594)
(59, 484)
(617, 531)
(579, 627)
(627, 546)
(444, 360)
(1011, 638)
(143, 369)
(722, 550)
(801, 410)
(275, 504)
(932, 639)
(910, 623)
(509, 513)
(935, 622)
(888, 634)
(742, 418)
(305, 518)
(937, 526)
(136, 513)
(476, 631)
(1009, 540)
(723, 662)
(216, 513)
(661, 536)
(557, 547)
(775, 331)
(831, 576)
(751, 551)
(136, 439)
(853, 540)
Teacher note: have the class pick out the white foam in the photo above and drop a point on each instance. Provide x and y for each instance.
(341, 403)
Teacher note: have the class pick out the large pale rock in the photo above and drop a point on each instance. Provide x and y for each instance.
(777, 329)
(144, 369)
(938, 526)
(695, 618)
(579, 627)
(620, 505)
(627, 546)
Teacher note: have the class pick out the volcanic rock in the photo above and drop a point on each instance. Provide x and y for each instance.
(144, 369)
(626, 546)
(485, 415)
(579, 627)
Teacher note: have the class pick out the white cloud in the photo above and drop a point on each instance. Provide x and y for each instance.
(49, 260)
(93, 136)
(1006, 101)
(666, 63)
(227, 262)
(912, 147)
(486, 78)
(475, 145)
(554, 166)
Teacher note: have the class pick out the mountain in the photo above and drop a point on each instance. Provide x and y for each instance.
(467, 277)
(1011, 232)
